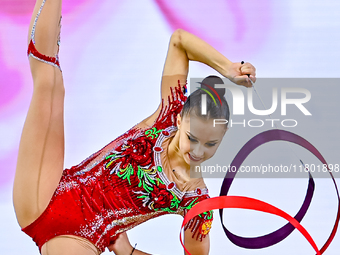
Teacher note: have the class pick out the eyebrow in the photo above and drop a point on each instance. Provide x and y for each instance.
(188, 133)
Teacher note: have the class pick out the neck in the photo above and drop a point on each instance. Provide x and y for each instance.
(176, 159)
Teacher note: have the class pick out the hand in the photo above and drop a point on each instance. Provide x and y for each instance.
(241, 74)
(121, 245)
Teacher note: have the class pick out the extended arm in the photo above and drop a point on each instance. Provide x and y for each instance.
(122, 246)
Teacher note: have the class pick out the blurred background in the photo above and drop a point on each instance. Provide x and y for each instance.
(112, 55)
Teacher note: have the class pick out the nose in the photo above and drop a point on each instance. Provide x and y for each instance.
(198, 151)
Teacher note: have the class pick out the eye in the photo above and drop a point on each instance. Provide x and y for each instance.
(192, 139)
(211, 144)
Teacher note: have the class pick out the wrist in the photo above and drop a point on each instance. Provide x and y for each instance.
(133, 249)
(124, 250)
(224, 68)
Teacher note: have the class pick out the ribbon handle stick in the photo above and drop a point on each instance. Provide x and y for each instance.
(270, 116)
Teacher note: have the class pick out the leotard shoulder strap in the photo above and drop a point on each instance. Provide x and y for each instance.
(33, 52)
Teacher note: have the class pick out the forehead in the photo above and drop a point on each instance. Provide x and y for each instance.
(203, 129)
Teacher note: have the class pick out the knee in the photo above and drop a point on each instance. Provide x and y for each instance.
(59, 83)
(43, 86)
(43, 74)
(43, 79)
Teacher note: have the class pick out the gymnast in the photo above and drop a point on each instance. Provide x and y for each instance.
(142, 174)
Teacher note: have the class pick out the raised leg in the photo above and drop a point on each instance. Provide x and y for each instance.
(70, 245)
(41, 151)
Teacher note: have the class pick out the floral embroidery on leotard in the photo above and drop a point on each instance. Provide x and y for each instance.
(153, 132)
(163, 199)
(132, 154)
(206, 226)
(134, 158)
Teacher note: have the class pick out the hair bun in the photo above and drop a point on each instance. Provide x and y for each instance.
(210, 81)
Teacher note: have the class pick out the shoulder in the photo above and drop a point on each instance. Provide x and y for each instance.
(173, 97)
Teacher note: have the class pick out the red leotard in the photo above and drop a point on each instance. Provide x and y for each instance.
(123, 185)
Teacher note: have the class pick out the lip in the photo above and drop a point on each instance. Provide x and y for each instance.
(194, 158)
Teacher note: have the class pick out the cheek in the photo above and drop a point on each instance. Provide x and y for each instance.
(184, 145)
(210, 152)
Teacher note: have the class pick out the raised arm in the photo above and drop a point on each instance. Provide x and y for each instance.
(185, 46)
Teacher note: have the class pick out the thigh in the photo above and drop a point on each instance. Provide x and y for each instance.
(70, 245)
(47, 28)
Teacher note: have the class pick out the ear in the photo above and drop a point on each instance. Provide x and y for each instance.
(179, 121)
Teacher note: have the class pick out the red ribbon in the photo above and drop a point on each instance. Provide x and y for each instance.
(243, 203)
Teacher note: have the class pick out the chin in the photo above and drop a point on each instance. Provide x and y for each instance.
(192, 161)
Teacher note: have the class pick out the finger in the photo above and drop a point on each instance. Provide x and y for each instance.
(253, 78)
(243, 80)
(250, 79)
(111, 247)
(248, 83)
(248, 68)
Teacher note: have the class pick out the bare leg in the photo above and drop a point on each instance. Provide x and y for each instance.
(70, 245)
(41, 151)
